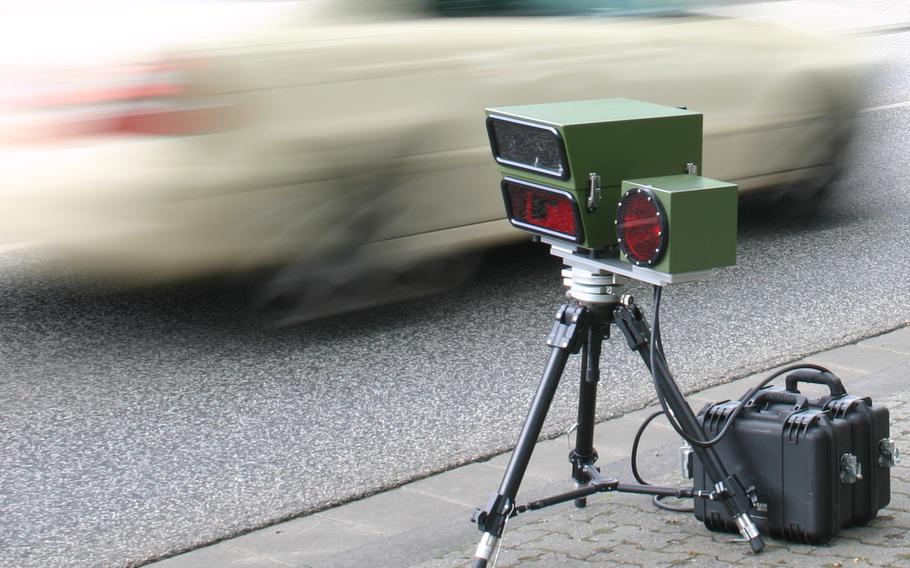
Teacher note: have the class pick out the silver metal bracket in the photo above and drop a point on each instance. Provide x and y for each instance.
(574, 257)
(594, 193)
(888, 454)
(692, 168)
(851, 470)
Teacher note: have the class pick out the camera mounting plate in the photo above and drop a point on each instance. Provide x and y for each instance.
(576, 257)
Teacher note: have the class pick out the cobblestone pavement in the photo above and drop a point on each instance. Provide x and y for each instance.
(627, 530)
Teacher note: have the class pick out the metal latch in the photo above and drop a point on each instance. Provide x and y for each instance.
(851, 470)
(594, 192)
(685, 461)
(888, 454)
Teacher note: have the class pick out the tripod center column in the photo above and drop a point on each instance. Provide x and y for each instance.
(595, 288)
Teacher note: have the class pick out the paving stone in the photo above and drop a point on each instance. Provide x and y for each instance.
(878, 535)
(548, 560)
(862, 358)
(653, 540)
(615, 436)
(727, 548)
(898, 341)
(550, 461)
(470, 486)
(573, 528)
(727, 391)
(632, 553)
(878, 555)
(439, 563)
(397, 511)
(226, 557)
(564, 544)
(521, 538)
(305, 541)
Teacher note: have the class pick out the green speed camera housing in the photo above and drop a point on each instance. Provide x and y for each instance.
(568, 167)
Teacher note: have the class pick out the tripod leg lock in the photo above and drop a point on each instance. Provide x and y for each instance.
(632, 323)
(741, 499)
(566, 332)
(492, 518)
(581, 465)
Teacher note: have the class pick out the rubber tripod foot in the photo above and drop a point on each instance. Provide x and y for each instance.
(478, 563)
(757, 544)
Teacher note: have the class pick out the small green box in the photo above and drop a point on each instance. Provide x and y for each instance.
(701, 215)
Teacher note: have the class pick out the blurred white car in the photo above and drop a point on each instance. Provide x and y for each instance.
(176, 138)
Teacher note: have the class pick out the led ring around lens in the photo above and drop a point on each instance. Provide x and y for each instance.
(641, 227)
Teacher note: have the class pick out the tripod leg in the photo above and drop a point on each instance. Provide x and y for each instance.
(491, 519)
(584, 453)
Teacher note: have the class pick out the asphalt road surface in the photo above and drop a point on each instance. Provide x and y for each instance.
(140, 423)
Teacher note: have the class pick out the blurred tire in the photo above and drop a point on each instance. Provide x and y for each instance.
(300, 293)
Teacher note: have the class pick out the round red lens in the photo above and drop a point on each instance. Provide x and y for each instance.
(641, 227)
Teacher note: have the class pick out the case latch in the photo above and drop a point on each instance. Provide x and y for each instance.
(685, 461)
(888, 454)
(851, 470)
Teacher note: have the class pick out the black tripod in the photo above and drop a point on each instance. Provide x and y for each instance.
(583, 326)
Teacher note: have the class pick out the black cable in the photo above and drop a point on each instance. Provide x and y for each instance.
(658, 502)
(659, 364)
(635, 441)
(656, 499)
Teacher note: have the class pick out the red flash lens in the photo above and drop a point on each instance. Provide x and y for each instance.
(541, 209)
(641, 227)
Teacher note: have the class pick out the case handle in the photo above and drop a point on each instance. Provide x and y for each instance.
(826, 378)
(799, 401)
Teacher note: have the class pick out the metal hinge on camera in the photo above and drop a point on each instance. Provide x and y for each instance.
(888, 454)
(594, 192)
(851, 470)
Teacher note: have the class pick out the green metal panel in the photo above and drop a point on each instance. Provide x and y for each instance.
(701, 215)
(590, 112)
(617, 139)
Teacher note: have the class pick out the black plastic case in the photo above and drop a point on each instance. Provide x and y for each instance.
(814, 465)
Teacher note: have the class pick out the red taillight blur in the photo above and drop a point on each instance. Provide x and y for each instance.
(641, 227)
(542, 209)
(125, 100)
